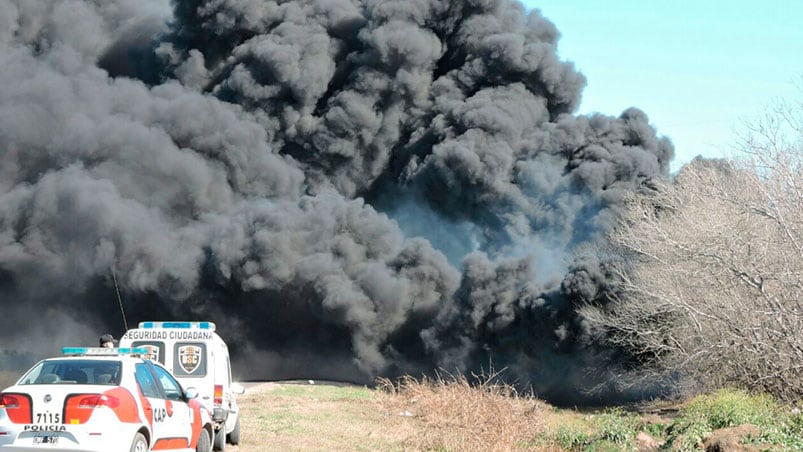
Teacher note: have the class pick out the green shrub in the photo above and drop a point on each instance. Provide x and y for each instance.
(655, 430)
(571, 436)
(728, 408)
(617, 426)
(786, 431)
(613, 430)
(605, 446)
(686, 436)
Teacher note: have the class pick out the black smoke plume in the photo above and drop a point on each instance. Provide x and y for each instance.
(348, 188)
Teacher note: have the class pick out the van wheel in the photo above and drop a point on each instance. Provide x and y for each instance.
(234, 436)
(204, 444)
(220, 439)
(139, 444)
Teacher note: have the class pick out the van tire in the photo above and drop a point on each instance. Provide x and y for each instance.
(139, 444)
(220, 439)
(234, 436)
(204, 444)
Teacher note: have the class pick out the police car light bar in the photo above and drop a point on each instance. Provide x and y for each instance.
(182, 325)
(102, 351)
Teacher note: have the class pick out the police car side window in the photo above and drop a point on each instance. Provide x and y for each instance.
(171, 387)
(146, 382)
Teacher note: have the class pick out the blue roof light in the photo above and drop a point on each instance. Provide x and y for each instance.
(102, 351)
(178, 325)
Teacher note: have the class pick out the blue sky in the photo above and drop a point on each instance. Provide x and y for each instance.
(697, 68)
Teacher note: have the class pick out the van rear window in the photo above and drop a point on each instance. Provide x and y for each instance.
(189, 359)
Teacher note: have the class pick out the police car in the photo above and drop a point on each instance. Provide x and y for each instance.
(104, 400)
(199, 358)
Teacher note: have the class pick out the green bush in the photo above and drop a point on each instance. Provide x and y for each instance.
(613, 430)
(617, 426)
(616, 429)
(655, 430)
(605, 446)
(728, 408)
(786, 431)
(571, 436)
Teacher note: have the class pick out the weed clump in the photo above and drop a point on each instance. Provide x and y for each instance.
(453, 413)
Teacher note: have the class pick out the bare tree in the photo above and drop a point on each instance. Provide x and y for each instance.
(712, 279)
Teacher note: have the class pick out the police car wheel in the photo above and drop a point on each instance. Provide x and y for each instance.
(139, 444)
(234, 436)
(220, 439)
(204, 444)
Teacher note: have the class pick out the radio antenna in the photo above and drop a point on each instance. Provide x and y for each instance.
(119, 299)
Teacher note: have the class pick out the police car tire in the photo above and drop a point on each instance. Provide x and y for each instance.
(220, 439)
(139, 444)
(234, 436)
(204, 444)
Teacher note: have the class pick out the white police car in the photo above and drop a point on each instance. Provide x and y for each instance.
(105, 400)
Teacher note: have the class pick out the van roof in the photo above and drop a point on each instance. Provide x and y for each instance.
(178, 325)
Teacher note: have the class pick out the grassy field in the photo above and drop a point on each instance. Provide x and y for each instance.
(456, 416)
(453, 415)
(314, 418)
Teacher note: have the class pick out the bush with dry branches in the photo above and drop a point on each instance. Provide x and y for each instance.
(452, 413)
(712, 279)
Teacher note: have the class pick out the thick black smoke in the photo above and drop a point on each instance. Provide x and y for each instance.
(348, 188)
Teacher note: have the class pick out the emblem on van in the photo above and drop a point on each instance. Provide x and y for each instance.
(189, 357)
(152, 352)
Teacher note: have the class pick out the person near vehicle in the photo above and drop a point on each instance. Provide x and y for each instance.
(107, 341)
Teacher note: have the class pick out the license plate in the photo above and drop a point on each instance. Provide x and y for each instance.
(47, 417)
(45, 439)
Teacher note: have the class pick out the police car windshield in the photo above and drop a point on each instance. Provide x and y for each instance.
(74, 371)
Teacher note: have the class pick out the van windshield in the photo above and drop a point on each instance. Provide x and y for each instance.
(73, 371)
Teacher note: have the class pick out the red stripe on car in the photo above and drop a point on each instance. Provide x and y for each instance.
(195, 405)
(171, 443)
(146, 407)
(127, 410)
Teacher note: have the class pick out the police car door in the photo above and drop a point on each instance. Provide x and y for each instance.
(179, 414)
(153, 403)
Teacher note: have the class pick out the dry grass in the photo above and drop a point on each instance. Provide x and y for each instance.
(298, 417)
(409, 415)
(454, 414)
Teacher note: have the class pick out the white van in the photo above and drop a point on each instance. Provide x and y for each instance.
(195, 354)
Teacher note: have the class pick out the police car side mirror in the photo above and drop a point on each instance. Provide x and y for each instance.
(190, 393)
(237, 388)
